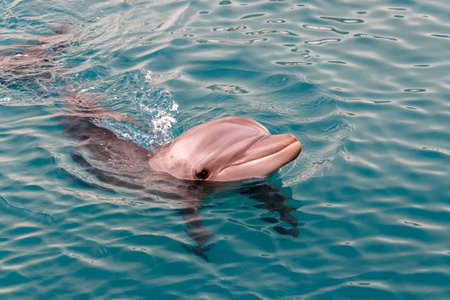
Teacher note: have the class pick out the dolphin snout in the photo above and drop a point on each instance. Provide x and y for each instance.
(282, 141)
(283, 147)
(293, 146)
(290, 139)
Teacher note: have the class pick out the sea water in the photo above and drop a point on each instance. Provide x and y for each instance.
(364, 85)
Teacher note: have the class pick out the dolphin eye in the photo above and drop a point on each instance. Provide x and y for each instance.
(203, 174)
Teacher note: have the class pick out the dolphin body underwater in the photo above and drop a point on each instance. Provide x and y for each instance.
(231, 153)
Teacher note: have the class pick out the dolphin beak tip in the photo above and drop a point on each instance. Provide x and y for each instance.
(295, 145)
(298, 146)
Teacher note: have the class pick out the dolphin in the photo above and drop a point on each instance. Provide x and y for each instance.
(227, 154)
(234, 153)
(227, 149)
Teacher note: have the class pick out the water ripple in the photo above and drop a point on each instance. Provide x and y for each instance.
(324, 28)
(374, 36)
(343, 20)
(252, 16)
(232, 42)
(322, 41)
(262, 32)
(235, 28)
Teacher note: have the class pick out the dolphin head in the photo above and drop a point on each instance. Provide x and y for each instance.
(226, 149)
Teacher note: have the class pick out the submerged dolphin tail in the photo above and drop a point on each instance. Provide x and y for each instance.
(199, 251)
(294, 231)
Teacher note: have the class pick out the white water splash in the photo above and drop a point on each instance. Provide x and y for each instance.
(155, 106)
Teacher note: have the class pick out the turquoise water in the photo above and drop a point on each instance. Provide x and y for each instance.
(364, 85)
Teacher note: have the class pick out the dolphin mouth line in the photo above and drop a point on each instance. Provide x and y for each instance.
(254, 160)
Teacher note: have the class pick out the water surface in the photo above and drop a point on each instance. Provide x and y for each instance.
(364, 87)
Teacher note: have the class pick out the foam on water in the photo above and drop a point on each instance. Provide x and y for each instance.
(155, 106)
